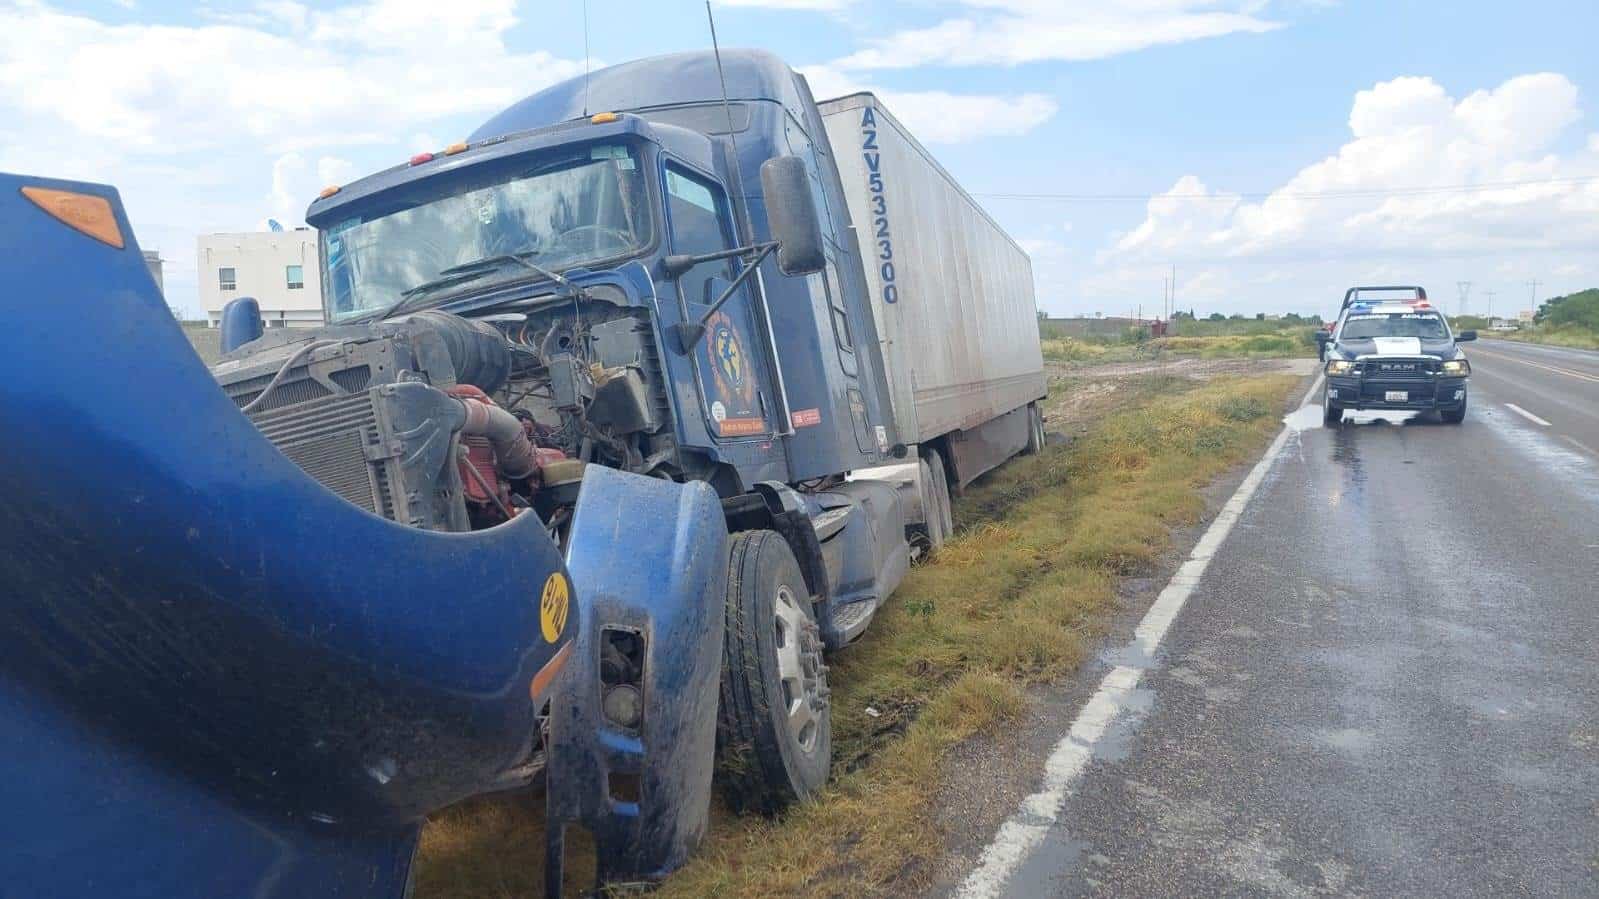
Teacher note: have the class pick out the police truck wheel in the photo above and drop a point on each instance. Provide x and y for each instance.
(1454, 416)
(1332, 413)
(774, 728)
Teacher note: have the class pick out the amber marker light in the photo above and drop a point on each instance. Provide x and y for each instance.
(82, 212)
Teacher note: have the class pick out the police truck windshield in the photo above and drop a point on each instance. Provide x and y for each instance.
(578, 207)
(1425, 325)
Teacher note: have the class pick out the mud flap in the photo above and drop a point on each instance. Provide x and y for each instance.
(649, 557)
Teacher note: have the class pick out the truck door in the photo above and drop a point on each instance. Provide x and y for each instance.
(732, 379)
(827, 288)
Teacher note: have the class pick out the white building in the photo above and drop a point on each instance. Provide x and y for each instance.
(278, 268)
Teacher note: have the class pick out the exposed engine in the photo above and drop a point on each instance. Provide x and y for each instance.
(452, 424)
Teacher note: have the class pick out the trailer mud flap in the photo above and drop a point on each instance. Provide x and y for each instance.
(648, 559)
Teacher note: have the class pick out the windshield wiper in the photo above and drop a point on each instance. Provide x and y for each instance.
(493, 262)
(411, 299)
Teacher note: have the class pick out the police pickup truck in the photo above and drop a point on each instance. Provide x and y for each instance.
(1395, 355)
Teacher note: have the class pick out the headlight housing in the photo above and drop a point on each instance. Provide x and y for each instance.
(1340, 366)
(1456, 368)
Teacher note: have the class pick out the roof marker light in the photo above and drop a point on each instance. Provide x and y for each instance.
(420, 158)
(603, 118)
(328, 191)
(457, 147)
(82, 212)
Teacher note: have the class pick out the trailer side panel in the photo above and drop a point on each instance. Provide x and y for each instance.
(952, 293)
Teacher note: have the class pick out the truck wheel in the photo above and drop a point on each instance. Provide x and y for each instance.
(774, 730)
(1035, 431)
(946, 517)
(1331, 412)
(930, 533)
(1454, 416)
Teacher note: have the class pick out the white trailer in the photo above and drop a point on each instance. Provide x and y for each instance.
(952, 296)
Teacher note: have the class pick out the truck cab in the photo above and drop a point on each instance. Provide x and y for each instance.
(660, 292)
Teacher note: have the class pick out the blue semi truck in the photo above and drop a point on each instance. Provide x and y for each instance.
(618, 423)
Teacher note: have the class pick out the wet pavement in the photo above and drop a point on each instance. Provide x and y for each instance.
(1385, 683)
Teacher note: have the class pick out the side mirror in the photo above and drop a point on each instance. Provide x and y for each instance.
(241, 323)
(1464, 336)
(791, 215)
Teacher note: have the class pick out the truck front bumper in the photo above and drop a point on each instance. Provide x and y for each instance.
(1411, 395)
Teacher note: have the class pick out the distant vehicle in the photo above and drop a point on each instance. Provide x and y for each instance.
(1503, 325)
(1395, 355)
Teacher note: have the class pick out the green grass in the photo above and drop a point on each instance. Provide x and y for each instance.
(1575, 336)
(1017, 597)
(1277, 345)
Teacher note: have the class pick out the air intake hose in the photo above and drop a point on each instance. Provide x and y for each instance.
(477, 350)
(512, 450)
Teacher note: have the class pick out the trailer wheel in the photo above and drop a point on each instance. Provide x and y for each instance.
(930, 533)
(1035, 430)
(941, 493)
(774, 729)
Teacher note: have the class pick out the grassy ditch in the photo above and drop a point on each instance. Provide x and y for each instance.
(1575, 336)
(1017, 597)
(1279, 344)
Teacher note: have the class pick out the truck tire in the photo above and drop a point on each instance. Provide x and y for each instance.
(1035, 431)
(1331, 412)
(930, 533)
(941, 493)
(1454, 416)
(774, 727)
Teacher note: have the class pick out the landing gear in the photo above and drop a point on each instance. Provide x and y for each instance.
(774, 728)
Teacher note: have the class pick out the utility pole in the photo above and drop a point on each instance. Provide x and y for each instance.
(1465, 291)
(1173, 287)
(1491, 295)
(1532, 300)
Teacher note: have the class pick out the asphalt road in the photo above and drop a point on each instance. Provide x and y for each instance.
(1386, 682)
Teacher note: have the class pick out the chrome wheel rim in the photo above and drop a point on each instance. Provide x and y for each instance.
(798, 668)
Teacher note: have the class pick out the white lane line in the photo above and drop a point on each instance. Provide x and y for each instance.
(1026, 829)
(1527, 415)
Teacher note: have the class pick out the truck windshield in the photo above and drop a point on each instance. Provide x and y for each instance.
(1398, 324)
(559, 211)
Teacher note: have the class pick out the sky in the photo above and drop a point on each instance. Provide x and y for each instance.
(1273, 151)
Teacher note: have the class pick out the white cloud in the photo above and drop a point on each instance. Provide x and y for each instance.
(1394, 186)
(1386, 206)
(1011, 32)
(357, 71)
(811, 5)
(941, 117)
(192, 121)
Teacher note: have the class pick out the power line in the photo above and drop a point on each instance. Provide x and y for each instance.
(1314, 195)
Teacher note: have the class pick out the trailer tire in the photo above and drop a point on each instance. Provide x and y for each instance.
(941, 494)
(774, 726)
(1035, 431)
(929, 534)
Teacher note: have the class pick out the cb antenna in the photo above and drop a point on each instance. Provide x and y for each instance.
(727, 105)
(585, 58)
